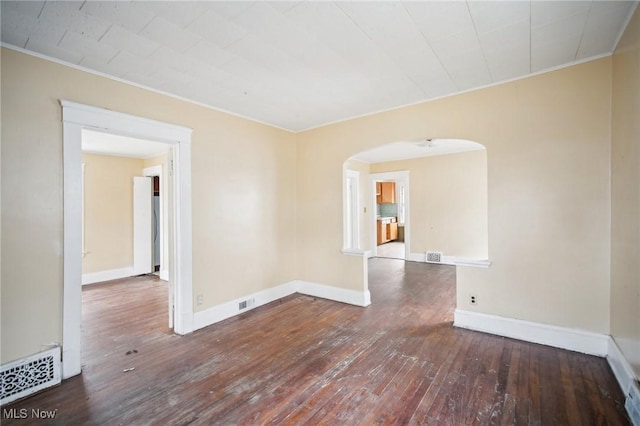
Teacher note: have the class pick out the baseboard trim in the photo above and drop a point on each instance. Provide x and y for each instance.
(550, 335)
(230, 309)
(164, 275)
(446, 260)
(112, 274)
(451, 260)
(351, 297)
(417, 257)
(475, 263)
(620, 366)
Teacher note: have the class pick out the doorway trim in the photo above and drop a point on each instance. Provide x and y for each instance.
(398, 177)
(151, 172)
(75, 118)
(351, 212)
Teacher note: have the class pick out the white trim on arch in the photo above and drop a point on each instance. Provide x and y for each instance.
(77, 117)
(351, 211)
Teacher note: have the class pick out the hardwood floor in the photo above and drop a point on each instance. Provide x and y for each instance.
(304, 360)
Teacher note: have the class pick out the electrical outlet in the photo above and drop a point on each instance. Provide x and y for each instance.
(200, 299)
(473, 299)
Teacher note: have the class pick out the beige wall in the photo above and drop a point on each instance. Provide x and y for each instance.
(319, 220)
(108, 203)
(448, 202)
(244, 189)
(264, 207)
(625, 195)
(547, 141)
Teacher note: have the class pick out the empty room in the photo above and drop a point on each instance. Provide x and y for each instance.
(385, 212)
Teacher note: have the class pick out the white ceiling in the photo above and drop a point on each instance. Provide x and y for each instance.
(298, 65)
(121, 146)
(414, 149)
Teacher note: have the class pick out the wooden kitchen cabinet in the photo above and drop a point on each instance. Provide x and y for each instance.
(378, 192)
(387, 192)
(392, 231)
(381, 235)
(387, 231)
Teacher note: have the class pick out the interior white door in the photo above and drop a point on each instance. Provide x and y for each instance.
(142, 225)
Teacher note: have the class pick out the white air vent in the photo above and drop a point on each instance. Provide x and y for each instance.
(245, 304)
(29, 375)
(632, 404)
(434, 256)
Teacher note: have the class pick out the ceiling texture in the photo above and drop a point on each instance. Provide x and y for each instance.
(299, 65)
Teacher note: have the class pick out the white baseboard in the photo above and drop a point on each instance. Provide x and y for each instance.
(476, 263)
(164, 275)
(227, 310)
(417, 257)
(352, 297)
(620, 366)
(113, 274)
(550, 335)
(447, 260)
(451, 260)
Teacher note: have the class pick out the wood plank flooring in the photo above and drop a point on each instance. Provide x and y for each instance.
(304, 360)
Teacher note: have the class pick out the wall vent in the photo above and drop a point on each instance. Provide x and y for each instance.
(245, 304)
(434, 256)
(632, 404)
(29, 375)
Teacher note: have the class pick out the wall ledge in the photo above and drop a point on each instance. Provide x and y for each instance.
(560, 337)
(354, 252)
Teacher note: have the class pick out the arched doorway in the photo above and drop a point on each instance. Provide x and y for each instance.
(439, 205)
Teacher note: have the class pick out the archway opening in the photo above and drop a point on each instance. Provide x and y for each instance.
(423, 200)
(434, 188)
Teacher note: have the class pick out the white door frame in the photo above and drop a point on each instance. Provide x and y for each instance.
(164, 268)
(351, 211)
(157, 171)
(398, 177)
(77, 117)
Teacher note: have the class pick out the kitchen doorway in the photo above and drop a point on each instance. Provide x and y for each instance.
(390, 227)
